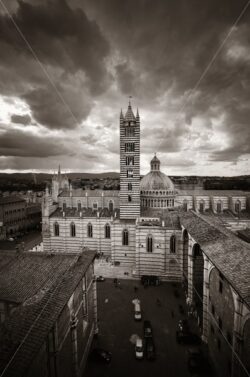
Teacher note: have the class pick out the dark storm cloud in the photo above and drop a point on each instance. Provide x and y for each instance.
(125, 78)
(169, 140)
(168, 45)
(49, 110)
(72, 50)
(24, 144)
(21, 119)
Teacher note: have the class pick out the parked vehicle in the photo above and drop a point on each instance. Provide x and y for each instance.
(186, 337)
(150, 349)
(100, 278)
(101, 355)
(139, 349)
(147, 329)
(137, 314)
(195, 360)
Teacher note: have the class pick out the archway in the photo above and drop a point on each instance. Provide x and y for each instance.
(246, 345)
(111, 205)
(185, 258)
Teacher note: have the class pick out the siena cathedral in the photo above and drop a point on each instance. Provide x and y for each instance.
(149, 229)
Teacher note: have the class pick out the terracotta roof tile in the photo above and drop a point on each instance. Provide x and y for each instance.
(225, 250)
(86, 212)
(29, 325)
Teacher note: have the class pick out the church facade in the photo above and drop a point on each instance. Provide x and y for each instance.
(149, 228)
(138, 227)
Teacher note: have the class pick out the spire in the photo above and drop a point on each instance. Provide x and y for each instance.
(137, 114)
(121, 115)
(129, 114)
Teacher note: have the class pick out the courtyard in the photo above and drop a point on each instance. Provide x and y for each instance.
(118, 330)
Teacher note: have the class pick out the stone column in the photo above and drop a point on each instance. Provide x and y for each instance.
(205, 299)
(190, 272)
(73, 329)
(96, 329)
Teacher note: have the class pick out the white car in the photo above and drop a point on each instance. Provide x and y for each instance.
(137, 314)
(139, 349)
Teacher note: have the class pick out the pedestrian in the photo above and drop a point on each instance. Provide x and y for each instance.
(135, 289)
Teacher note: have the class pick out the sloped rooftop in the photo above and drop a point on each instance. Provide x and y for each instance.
(225, 250)
(86, 212)
(11, 199)
(91, 193)
(23, 334)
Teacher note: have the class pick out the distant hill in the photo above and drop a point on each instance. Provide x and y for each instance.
(37, 181)
(41, 177)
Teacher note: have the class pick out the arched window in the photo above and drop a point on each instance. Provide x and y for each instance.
(111, 205)
(185, 206)
(72, 230)
(237, 206)
(125, 237)
(90, 230)
(56, 229)
(79, 206)
(201, 206)
(129, 186)
(107, 231)
(173, 244)
(149, 244)
(129, 198)
(64, 206)
(196, 250)
(219, 207)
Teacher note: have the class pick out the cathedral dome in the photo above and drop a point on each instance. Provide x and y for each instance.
(157, 189)
(156, 180)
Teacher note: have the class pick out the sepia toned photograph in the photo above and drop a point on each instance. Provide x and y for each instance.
(124, 188)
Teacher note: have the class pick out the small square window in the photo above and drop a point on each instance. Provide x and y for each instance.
(213, 310)
(218, 343)
(220, 286)
(220, 323)
(229, 337)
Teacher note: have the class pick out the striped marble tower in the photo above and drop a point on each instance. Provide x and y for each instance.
(129, 165)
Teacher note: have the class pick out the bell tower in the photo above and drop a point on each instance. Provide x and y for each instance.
(129, 164)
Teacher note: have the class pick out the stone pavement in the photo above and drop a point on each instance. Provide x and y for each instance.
(117, 330)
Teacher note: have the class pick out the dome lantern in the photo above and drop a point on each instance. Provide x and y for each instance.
(155, 164)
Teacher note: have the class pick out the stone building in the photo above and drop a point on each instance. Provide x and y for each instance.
(48, 313)
(12, 215)
(216, 265)
(157, 231)
(18, 216)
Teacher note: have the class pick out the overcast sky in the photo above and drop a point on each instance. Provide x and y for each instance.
(97, 53)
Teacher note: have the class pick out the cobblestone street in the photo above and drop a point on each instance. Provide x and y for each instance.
(117, 327)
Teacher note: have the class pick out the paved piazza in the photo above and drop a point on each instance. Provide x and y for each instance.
(117, 328)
